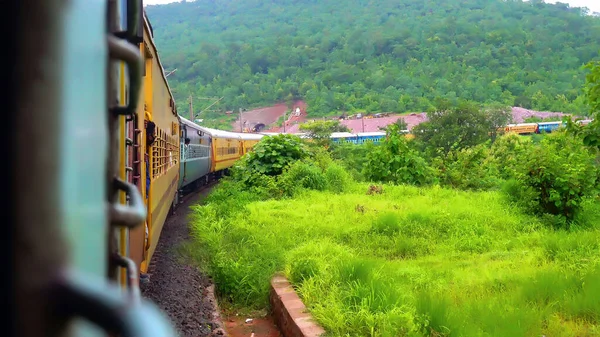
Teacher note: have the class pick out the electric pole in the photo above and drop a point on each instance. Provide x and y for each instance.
(363, 122)
(241, 125)
(284, 120)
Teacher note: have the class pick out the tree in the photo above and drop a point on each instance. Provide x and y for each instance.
(591, 132)
(321, 131)
(401, 126)
(497, 116)
(453, 127)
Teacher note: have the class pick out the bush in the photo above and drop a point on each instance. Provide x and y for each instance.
(507, 152)
(302, 174)
(394, 161)
(468, 169)
(273, 154)
(353, 157)
(337, 178)
(555, 177)
(320, 156)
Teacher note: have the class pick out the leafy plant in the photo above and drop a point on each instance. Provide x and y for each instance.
(467, 169)
(556, 176)
(320, 131)
(394, 161)
(273, 154)
(302, 174)
(508, 152)
(457, 126)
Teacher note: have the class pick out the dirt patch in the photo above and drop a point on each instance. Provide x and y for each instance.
(177, 287)
(520, 114)
(269, 115)
(255, 325)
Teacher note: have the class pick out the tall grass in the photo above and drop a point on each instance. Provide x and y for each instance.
(408, 262)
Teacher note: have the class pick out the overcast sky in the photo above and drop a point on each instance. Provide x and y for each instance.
(593, 5)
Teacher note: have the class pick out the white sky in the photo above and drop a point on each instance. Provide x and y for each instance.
(593, 5)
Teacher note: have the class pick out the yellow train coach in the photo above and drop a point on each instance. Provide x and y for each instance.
(149, 156)
(228, 147)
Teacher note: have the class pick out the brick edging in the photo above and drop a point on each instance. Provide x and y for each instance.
(216, 314)
(289, 312)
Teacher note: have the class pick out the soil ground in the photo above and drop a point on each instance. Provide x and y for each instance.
(261, 325)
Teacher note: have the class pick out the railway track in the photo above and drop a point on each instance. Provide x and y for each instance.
(175, 284)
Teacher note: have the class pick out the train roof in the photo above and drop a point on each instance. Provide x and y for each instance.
(373, 133)
(342, 135)
(215, 133)
(187, 122)
(550, 123)
(250, 136)
(523, 124)
(220, 133)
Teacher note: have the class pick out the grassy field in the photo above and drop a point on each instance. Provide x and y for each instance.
(408, 262)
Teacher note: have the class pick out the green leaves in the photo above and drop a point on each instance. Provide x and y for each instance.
(459, 126)
(394, 161)
(321, 131)
(273, 154)
(558, 174)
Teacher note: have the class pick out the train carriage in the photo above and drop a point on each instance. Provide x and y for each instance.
(154, 168)
(523, 128)
(547, 127)
(195, 156)
(343, 137)
(249, 140)
(226, 148)
(375, 137)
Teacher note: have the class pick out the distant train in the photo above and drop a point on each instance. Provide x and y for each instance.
(542, 127)
(348, 137)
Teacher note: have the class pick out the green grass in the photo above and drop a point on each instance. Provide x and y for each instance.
(408, 262)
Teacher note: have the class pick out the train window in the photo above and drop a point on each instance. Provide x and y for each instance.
(197, 151)
(165, 152)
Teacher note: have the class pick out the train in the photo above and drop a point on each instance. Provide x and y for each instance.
(538, 128)
(178, 154)
(349, 137)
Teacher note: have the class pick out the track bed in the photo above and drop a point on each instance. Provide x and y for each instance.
(176, 285)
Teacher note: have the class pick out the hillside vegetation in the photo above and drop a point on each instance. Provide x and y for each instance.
(376, 55)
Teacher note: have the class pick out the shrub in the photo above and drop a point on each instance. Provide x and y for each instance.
(337, 178)
(507, 152)
(353, 157)
(556, 176)
(469, 169)
(320, 156)
(273, 154)
(302, 174)
(394, 161)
